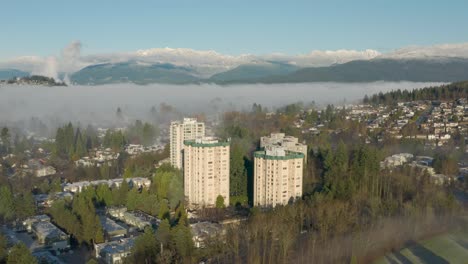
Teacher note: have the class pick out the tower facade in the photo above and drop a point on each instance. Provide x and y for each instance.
(277, 176)
(188, 129)
(206, 171)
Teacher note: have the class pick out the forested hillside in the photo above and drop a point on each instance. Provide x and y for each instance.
(451, 91)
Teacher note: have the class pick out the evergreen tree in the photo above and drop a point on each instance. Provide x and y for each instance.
(148, 134)
(60, 145)
(104, 195)
(3, 248)
(182, 239)
(238, 172)
(80, 148)
(69, 133)
(92, 140)
(7, 207)
(163, 235)
(220, 202)
(146, 247)
(20, 254)
(121, 198)
(6, 140)
(24, 205)
(164, 211)
(181, 217)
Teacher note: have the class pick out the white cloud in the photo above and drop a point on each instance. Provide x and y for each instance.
(458, 50)
(25, 63)
(48, 67)
(69, 61)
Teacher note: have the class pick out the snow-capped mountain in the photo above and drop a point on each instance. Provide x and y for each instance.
(184, 65)
(204, 63)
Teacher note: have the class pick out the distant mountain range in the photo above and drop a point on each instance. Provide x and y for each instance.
(133, 72)
(417, 70)
(253, 72)
(428, 69)
(7, 74)
(434, 69)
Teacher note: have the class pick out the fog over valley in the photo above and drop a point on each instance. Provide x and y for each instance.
(98, 104)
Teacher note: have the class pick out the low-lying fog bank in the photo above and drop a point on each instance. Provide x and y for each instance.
(94, 104)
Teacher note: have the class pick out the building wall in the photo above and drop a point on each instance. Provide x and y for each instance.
(276, 181)
(206, 174)
(179, 132)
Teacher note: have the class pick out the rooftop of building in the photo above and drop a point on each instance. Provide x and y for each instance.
(206, 142)
(110, 225)
(46, 257)
(48, 229)
(118, 246)
(277, 153)
(186, 120)
(40, 218)
(279, 139)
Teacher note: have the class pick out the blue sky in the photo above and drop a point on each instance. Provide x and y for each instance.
(234, 27)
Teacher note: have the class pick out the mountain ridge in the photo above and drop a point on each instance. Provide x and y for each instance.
(430, 69)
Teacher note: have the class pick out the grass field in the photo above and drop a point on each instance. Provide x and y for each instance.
(448, 248)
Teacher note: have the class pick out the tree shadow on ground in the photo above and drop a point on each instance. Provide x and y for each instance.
(402, 259)
(462, 242)
(426, 255)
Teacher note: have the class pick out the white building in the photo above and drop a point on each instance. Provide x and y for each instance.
(396, 160)
(189, 129)
(206, 171)
(76, 187)
(277, 176)
(139, 182)
(45, 171)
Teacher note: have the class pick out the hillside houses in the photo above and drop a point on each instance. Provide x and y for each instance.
(46, 200)
(47, 234)
(136, 149)
(136, 182)
(396, 160)
(98, 158)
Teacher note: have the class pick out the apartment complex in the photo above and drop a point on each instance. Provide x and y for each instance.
(206, 171)
(114, 252)
(289, 143)
(189, 129)
(278, 173)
